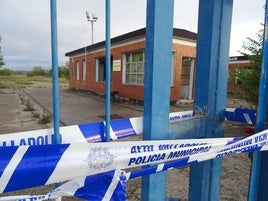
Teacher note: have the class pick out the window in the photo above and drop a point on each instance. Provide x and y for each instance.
(84, 72)
(134, 68)
(77, 70)
(185, 70)
(187, 77)
(173, 68)
(100, 71)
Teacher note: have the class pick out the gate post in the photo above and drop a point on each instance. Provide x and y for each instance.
(54, 58)
(214, 25)
(158, 54)
(259, 174)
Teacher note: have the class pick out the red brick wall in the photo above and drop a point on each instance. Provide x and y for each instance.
(181, 51)
(125, 90)
(232, 86)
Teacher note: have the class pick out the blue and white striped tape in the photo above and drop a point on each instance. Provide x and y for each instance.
(60, 162)
(94, 132)
(105, 186)
(49, 164)
(89, 132)
(247, 116)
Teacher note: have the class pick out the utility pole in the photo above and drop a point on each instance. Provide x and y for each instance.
(93, 18)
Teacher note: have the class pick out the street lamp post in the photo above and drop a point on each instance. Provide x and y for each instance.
(91, 19)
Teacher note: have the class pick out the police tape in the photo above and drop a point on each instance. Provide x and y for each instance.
(93, 133)
(89, 132)
(105, 186)
(242, 115)
(61, 162)
(120, 128)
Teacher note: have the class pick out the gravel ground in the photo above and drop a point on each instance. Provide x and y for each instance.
(235, 168)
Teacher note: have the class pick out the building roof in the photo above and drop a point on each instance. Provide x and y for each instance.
(238, 58)
(181, 33)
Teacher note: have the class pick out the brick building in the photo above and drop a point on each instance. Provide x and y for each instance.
(234, 63)
(87, 65)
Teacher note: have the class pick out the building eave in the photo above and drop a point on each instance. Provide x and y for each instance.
(140, 33)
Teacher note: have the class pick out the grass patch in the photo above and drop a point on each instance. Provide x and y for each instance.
(22, 81)
(4, 86)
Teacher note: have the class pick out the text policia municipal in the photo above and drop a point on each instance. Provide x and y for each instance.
(165, 156)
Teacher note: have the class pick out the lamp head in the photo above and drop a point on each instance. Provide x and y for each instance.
(87, 14)
(94, 16)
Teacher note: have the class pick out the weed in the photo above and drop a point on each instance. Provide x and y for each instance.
(36, 115)
(29, 106)
(45, 118)
(23, 100)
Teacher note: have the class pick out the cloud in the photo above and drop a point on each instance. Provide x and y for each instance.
(25, 25)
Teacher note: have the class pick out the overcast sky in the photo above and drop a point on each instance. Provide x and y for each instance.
(25, 26)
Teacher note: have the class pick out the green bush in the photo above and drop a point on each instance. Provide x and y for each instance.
(38, 71)
(6, 72)
(248, 79)
(64, 72)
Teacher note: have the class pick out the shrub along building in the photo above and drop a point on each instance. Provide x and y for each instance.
(87, 65)
(235, 63)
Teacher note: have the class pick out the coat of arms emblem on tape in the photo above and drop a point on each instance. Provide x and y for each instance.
(99, 158)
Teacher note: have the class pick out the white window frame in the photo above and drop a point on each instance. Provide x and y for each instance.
(124, 80)
(84, 71)
(97, 71)
(77, 70)
(173, 68)
(191, 75)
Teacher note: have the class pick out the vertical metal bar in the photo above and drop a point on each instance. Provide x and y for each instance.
(92, 35)
(85, 46)
(158, 57)
(55, 88)
(54, 50)
(259, 174)
(108, 72)
(214, 25)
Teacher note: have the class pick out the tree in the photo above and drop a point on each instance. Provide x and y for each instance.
(64, 71)
(249, 78)
(37, 71)
(2, 63)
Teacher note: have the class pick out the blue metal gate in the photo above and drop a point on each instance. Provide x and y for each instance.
(214, 25)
